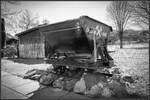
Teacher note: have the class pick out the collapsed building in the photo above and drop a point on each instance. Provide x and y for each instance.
(78, 43)
(69, 36)
(77, 52)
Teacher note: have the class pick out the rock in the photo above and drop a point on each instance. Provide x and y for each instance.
(140, 87)
(117, 88)
(116, 77)
(128, 79)
(95, 91)
(80, 86)
(47, 79)
(115, 70)
(35, 77)
(69, 83)
(59, 83)
(93, 79)
(29, 73)
(106, 92)
(33, 74)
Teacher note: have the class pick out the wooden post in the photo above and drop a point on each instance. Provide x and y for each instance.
(95, 49)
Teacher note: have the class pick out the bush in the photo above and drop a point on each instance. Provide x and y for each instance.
(10, 51)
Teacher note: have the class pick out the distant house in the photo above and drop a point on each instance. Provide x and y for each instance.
(42, 41)
(11, 40)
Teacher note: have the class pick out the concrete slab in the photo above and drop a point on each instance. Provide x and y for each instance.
(17, 71)
(28, 88)
(14, 81)
(7, 93)
(3, 74)
(49, 93)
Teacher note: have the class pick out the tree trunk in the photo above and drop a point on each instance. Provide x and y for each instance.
(3, 36)
(121, 39)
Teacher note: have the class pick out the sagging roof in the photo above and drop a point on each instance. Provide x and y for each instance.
(60, 25)
(9, 36)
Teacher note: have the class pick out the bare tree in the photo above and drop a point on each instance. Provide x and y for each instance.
(119, 13)
(8, 14)
(140, 12)
(27, 20)
(6, 11)
(45, 21)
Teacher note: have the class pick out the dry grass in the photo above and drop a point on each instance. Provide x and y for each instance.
(133, 60)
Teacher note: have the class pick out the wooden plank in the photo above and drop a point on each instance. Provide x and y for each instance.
(31, 45)
(72, 63)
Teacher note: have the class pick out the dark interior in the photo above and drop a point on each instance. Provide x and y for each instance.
(69, 40)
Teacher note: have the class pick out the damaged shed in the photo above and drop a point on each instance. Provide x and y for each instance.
(71, 35)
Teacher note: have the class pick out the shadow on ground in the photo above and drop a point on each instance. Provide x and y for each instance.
(111, 51)
(137, 48)
(27, 61)
(46, 92)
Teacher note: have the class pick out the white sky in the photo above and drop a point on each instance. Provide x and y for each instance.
(56, 11)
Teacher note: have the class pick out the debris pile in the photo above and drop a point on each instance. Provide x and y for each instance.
(91, 84)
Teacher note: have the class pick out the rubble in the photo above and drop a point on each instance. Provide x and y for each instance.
(59, 83)
(33, 74)
(93, 79)
(91, 84)
(106, 92)
(69, 83)
(117, 88)
(95, 90)
(138, 87)
(80, 86)
(47, 79)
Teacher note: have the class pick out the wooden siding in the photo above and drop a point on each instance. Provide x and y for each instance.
(88, 24)
(39, 42)
(31, 45)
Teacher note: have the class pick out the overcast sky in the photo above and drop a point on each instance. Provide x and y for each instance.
(56, 11)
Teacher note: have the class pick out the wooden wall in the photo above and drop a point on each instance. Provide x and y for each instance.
(88, 24)
(31, 45)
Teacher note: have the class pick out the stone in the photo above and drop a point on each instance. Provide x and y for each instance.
(31, 74)
(128, 79)
(69, 83)
(117, 88)
(93, 79)
(95, 90)
(59, 83)
(106, 92)
(35, 77)
(80, 86)
(115, 70)
(47, 79)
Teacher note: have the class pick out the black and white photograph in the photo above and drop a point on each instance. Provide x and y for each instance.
(75, 50)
